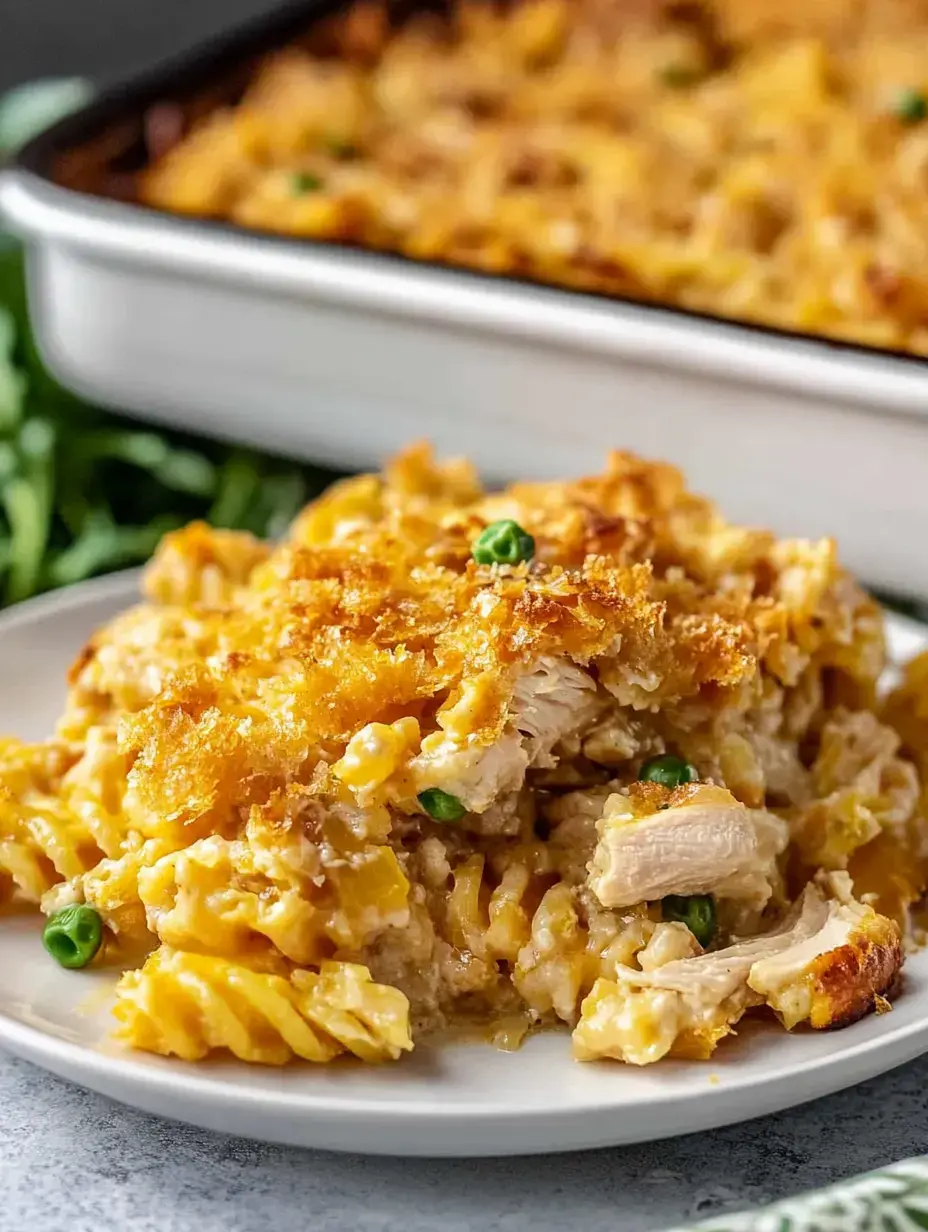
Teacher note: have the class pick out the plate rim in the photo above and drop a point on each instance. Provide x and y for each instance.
(207, 1098)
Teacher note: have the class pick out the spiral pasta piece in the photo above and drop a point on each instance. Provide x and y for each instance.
(112, 887)
(221, 896)
(41, 843)
(95, 787)
(211, 897)
(550, 970)
(189, 1005)
(59, 813)
(490, 922)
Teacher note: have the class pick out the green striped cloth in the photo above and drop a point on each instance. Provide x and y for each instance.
(893, 1199)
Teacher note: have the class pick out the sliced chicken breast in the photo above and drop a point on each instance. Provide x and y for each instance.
(556, 699)
(553, 700)
(711, 844)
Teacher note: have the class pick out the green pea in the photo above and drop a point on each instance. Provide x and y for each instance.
(696, 911)
(503, 543)
(441, 805)
(669, 771)
(911, 106)
(304, 182)
(73, 935)
(680, 76)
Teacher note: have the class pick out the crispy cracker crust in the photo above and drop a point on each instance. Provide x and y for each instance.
(374, 609)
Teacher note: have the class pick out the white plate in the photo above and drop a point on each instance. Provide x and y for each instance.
(460, 1099)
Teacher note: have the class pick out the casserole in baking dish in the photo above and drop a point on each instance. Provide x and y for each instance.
(738, 159)
(339, 353)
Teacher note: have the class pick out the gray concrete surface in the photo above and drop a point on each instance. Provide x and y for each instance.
(71, 1161)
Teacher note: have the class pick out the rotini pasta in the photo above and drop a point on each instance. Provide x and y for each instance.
(216, 896)
(60, 813)
(189, 1005)
(41, 843)
(94, 789)
(111, 887)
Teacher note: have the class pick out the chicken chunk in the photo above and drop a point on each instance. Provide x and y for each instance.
(553, 700)
(686, 1005)
(710, 844)
(476, 774)
(827, 964)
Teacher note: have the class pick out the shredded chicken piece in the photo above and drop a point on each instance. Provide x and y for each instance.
(553, 700)
(685, 1006)
(476, 774)
(709, 844)
(827, 964)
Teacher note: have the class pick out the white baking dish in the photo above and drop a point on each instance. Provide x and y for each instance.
(343, 356)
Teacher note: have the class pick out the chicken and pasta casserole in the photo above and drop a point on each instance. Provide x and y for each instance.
(572, 753)
(765, 162)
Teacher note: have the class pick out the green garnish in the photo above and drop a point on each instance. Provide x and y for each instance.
(304, 182)
(911, 106)
(73, 935)
(680, 76)
(503, 543)
(696, 911)
(441, 805)
(669, 771)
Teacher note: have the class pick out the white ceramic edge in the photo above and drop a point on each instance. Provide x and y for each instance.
(47, 214)
(345, 357)
(298, 374)
(409, 1128)
(359, 1126)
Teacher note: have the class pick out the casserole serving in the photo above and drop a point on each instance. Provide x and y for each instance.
(574, 753)
(347, 353)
